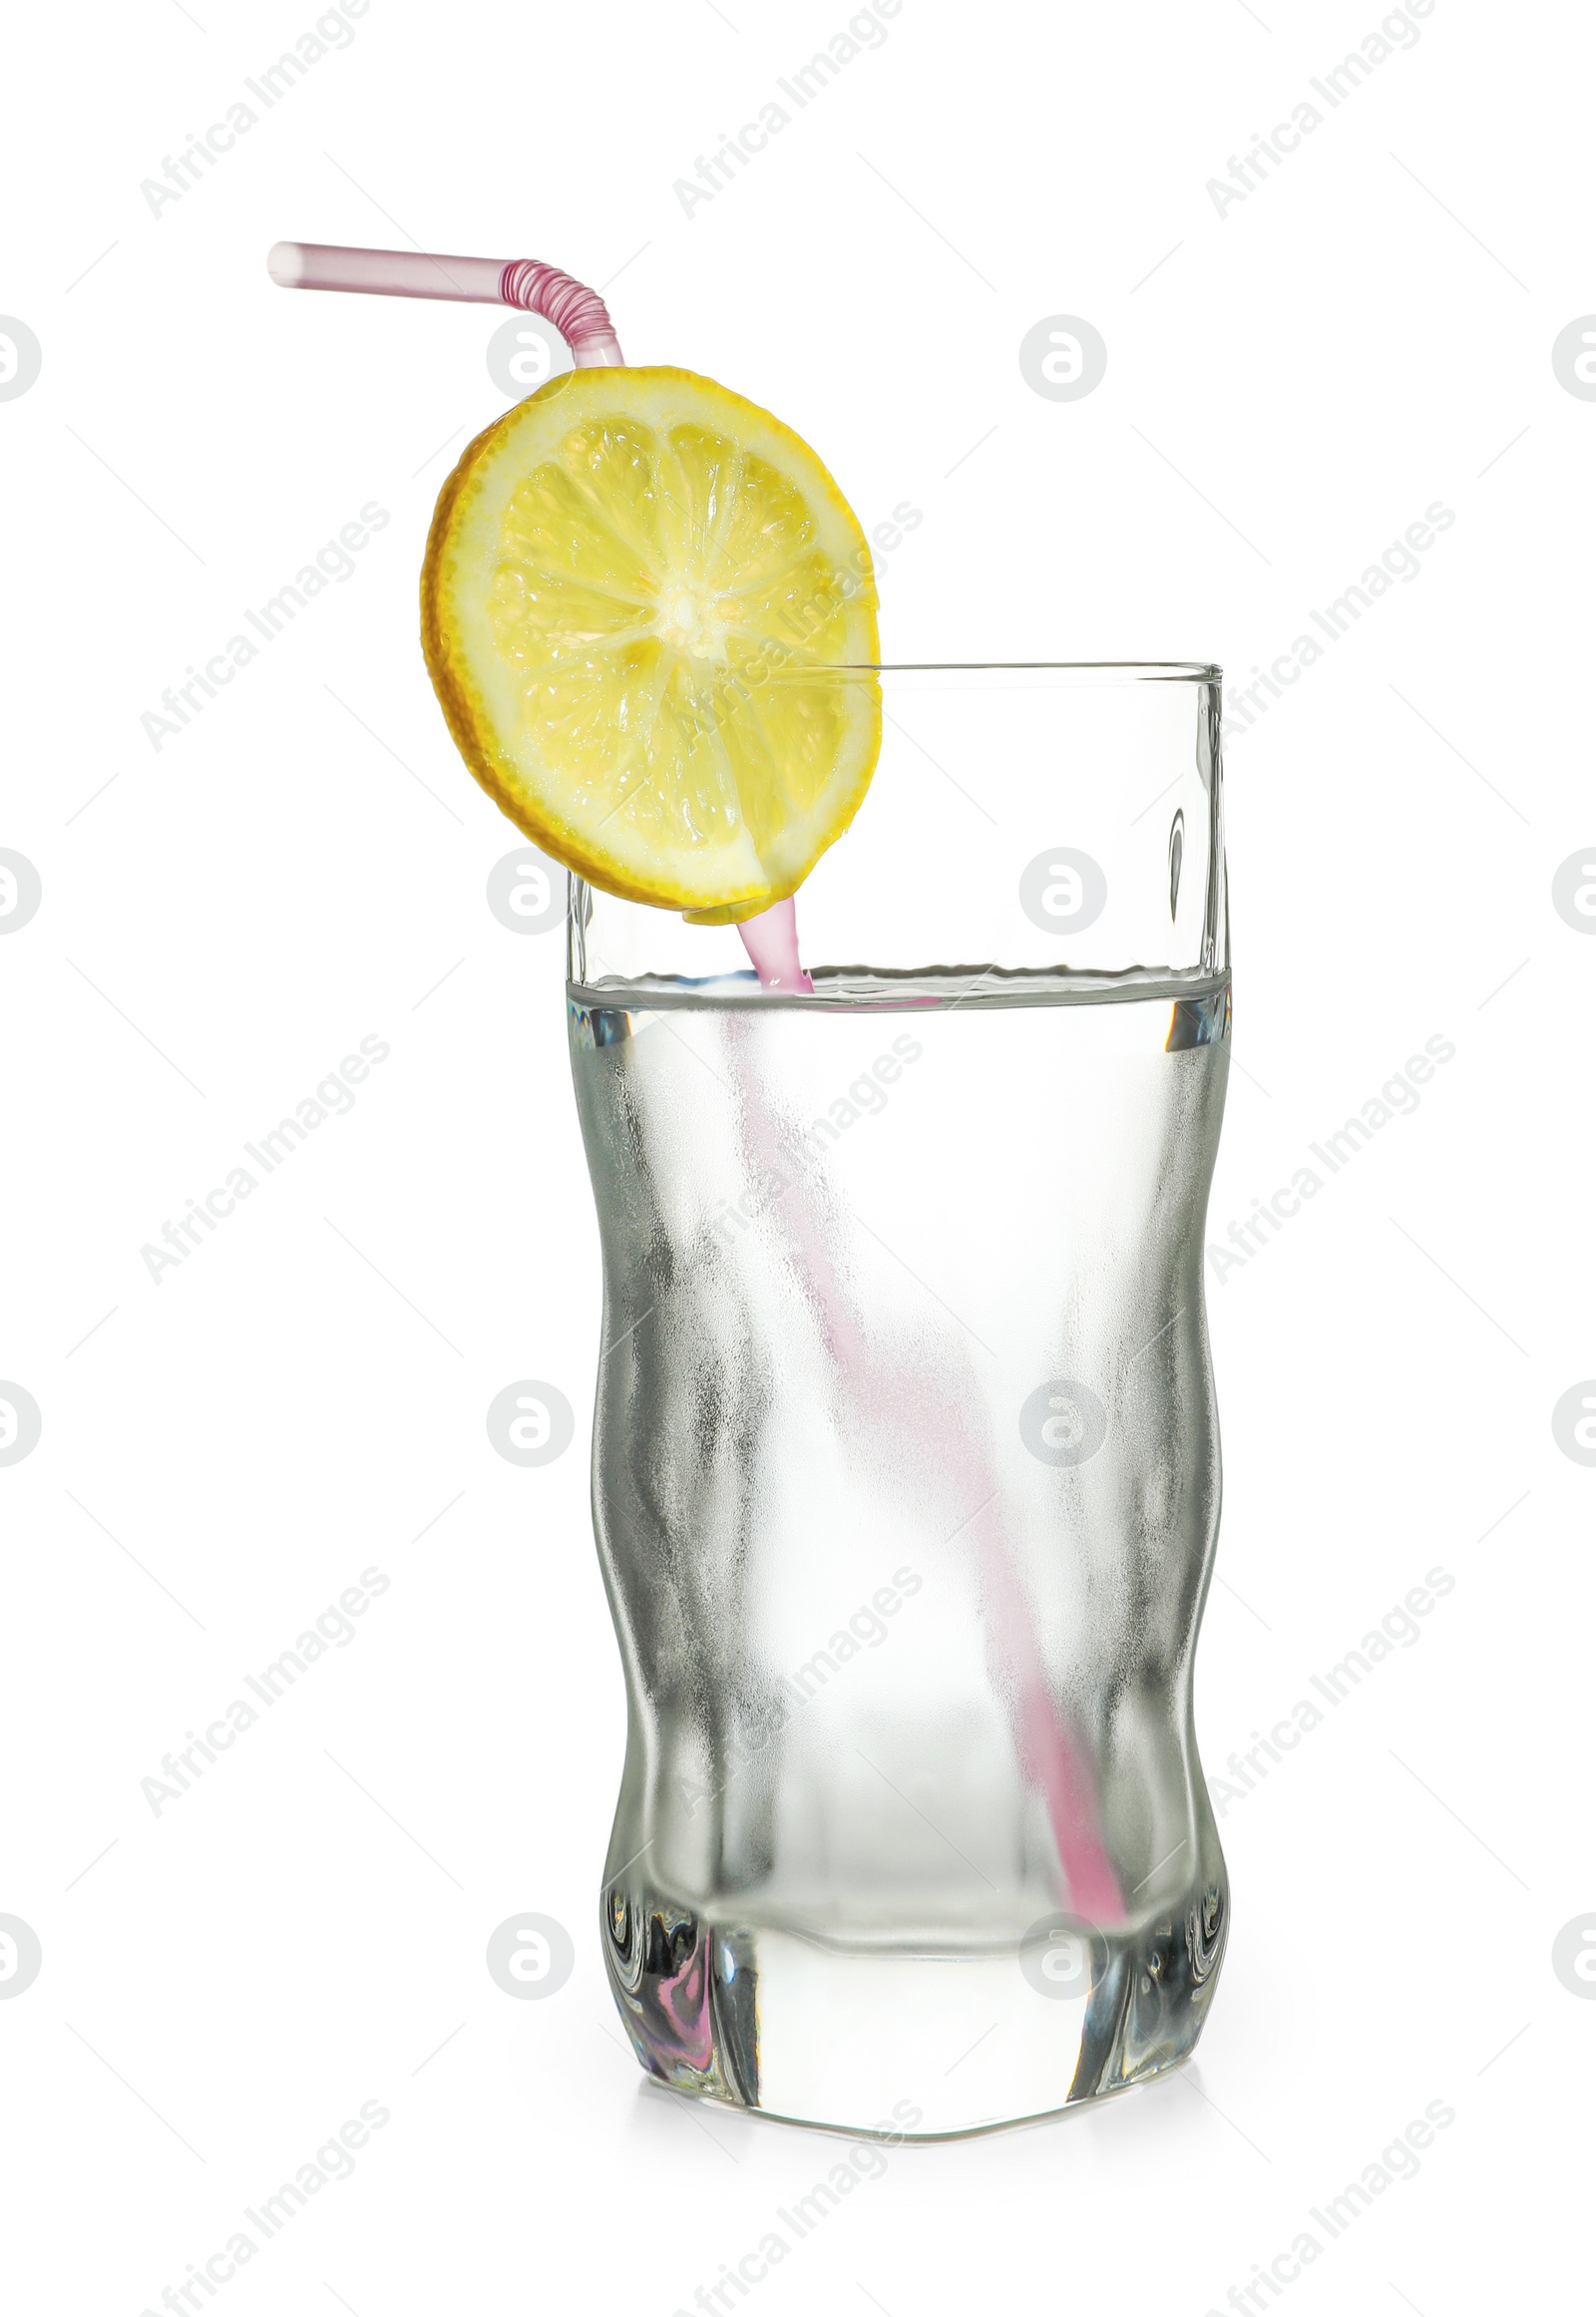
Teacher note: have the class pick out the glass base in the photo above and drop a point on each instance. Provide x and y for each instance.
(910, 2040)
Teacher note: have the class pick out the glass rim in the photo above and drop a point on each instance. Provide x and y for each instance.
(1130, 671)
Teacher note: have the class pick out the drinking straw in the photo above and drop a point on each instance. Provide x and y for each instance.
(771, 940)
(932, 1409)
(582, 321)
(576, 312)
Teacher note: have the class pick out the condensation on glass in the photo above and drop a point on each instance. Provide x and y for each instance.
(906, 1462)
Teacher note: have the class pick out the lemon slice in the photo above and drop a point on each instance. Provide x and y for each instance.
(649, 615)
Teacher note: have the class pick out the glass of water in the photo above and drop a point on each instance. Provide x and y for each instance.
(906, 1466)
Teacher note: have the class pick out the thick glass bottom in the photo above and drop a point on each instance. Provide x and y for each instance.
(911, 2040)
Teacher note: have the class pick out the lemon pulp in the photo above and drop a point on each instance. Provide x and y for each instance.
(650, 616)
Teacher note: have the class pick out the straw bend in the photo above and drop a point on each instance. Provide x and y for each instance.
(576, 312)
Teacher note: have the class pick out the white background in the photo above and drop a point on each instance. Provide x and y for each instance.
(1288, 386)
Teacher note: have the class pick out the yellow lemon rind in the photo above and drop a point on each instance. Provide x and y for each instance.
(472, 727)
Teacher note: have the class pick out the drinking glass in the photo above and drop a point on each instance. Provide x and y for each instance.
(906, 1463)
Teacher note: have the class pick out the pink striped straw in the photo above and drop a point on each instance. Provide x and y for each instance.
(771, 940)
(582, 321)
(576, 312)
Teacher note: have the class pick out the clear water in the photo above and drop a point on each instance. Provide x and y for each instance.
(906, 1475)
